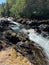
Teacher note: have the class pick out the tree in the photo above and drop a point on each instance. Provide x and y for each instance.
(18, 7)
(27, 8)
(3, 9)
(7, 10)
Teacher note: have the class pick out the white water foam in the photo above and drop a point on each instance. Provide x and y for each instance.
(43, 42)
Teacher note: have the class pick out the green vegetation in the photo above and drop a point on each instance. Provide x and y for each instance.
(25, 8)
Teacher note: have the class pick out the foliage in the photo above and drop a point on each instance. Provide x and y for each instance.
(2, 9)
(18, 7)
(25, 8)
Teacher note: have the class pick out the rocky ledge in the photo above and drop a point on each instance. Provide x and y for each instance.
(40, 26)
(17, 49)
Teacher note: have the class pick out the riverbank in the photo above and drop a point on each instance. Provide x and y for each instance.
(21, 44)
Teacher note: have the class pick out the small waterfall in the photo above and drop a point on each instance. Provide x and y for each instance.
(43, 42)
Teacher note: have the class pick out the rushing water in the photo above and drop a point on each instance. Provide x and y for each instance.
(43, 42)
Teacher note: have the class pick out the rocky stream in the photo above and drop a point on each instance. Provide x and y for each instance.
(24, 42)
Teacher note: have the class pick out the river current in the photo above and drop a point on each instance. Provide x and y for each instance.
(33, 36)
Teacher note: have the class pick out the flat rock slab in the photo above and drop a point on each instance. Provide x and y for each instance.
(11, 57)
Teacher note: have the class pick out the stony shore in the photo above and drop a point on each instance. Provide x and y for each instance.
(17, 49)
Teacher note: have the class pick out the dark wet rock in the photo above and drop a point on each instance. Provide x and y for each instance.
(1, 47)
(32, 52)
(4, 23)
(11, 37)
(33, 24)
(2, 28)
(38, 31)
(4, 44)
(46, 29)
(43, 22)
(28, 22)
(19, 20)
(43, 26)
(23, 22)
